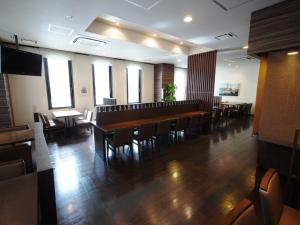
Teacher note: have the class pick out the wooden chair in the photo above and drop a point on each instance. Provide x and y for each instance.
(242, 214)
(163, 129)
(145, 133)
(194, 123)
(86, 123)
(121, 137)
(181, 125)
(274, 212)
(51, 127)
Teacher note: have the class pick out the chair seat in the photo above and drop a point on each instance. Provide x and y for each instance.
(82, 122)
(289, 216)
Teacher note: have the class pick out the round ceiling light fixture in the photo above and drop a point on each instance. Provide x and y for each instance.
(188, 19)
(293, 53)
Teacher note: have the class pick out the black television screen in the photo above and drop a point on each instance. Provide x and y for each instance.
(15, 61)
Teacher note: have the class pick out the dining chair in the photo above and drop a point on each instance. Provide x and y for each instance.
(145, 133)
(51, 127)
(83, 117)
(120, 138)
(180, 126)
(86, 123)
(163, 129)
(274, 212)
(194, 123)
(242, 214)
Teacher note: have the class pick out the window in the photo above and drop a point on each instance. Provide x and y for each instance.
(102, 83)
(59, 83)
(180, 80)
(133, 84)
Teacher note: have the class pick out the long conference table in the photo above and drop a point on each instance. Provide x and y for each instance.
(101, 131)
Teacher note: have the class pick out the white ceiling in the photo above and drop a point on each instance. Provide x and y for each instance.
(30, 19)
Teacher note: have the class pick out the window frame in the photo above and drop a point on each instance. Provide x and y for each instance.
(140, 87)
(49, 88)
(110, 83)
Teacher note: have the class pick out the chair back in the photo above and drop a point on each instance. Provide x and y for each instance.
(85, 113)
(271, 198)
(89, 116)
(195, 121)
(122, 137)
(146, 131)
(182, 123)
(12, 169)
(242, 214)
(163, 127)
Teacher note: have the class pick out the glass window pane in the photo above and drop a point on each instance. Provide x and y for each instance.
(59, 82)
(180, 80)
(133, 84)
(102, 83)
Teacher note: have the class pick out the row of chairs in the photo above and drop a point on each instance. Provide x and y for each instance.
(273, 210)
(109, 108)
(153, 131)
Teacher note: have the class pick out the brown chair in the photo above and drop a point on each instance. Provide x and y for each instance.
(86, 123)
(50, 127)
(181, 125)
(16, 128)
(12, 169)
(242, 214)
(145, 133)
(121, 137)
(274, 212)
(163, 129)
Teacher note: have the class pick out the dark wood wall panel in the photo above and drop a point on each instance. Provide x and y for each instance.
(6, 119)
(201, 78)
(275, 28)
(163, 74)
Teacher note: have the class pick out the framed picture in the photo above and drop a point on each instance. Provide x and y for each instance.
(84, 89)
(229, 89)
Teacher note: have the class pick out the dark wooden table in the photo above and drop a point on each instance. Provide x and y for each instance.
(14, 137)
(101, 132)
(19, 200)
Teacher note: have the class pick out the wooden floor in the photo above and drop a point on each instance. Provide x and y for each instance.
(197, 181)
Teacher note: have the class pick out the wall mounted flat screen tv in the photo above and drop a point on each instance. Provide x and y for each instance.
(15, 61)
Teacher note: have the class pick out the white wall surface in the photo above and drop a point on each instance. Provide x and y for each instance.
(180, 80)
(29, 93)
(245, 72)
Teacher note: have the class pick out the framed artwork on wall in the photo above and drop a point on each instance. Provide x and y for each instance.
(229, 89)
(84, 89)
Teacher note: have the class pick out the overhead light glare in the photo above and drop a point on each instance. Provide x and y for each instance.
(246, 47)
(181, 42)
(293, 53)
(154, 35)
(117, 23)
(188, 19)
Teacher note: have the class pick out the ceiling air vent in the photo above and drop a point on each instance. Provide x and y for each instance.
(227, 36)
(60, 30)
(144, 4)
(88, 42)
(239, 59)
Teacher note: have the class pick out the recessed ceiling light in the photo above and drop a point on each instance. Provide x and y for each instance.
(154, 35)
(188, 19)
(293, 53)
(117, 23)
(181, 42)
(69, 17)
(246, 47)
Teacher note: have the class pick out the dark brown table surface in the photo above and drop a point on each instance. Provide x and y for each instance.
(19, 201)
(13, 137)
(108, 128)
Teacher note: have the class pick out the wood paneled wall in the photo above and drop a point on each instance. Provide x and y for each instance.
(163, 74)
(275, 28)
(201, 77)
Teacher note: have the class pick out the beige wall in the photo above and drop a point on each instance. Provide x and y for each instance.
(280, 109)
(29, 93)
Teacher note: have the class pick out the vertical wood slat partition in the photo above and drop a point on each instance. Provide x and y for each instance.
(201, 78)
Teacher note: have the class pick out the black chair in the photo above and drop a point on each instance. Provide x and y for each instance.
(182, 124)
(145, 133)
(120, 138)
(163, 129)
(51, 127)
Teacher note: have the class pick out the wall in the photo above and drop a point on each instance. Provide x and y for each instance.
(163, 75)
(280, 109)
(29, 94)
(180, 80)
(245, 73)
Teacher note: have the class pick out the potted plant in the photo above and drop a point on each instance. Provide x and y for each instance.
(169, 92)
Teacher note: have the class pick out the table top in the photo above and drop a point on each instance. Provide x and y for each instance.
(66, 113)
(108, 128)
(19, 200)
(18, 136)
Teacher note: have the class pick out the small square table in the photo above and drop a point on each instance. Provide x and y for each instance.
(66, 114)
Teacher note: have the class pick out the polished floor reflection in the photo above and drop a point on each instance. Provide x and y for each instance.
(196, 181)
